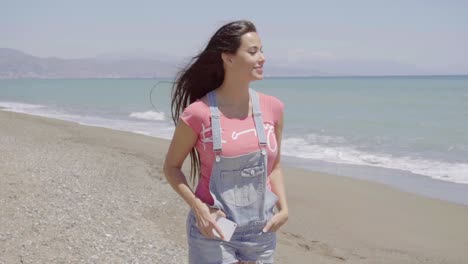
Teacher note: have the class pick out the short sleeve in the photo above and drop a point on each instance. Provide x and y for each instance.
(277, 108)
(193, 116)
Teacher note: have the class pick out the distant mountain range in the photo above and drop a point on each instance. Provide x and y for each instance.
(17, 64)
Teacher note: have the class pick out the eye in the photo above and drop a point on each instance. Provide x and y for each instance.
(253, 52)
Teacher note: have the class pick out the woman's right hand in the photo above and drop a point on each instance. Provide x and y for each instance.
(206, 219)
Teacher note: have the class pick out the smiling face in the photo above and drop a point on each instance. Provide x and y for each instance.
(248, 61)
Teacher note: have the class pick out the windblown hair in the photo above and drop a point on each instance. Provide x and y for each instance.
(205, 73)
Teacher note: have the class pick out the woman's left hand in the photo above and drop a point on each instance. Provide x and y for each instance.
(276, 221)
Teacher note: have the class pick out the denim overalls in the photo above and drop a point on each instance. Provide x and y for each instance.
(238, 187)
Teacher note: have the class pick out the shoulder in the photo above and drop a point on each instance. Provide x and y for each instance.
(195, 114)
(272, 106)
(199, 107)
(271, 103)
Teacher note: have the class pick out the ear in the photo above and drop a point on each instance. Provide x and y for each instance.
(227, 58)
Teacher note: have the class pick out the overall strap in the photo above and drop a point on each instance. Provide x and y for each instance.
(257, 113)
(215, 123)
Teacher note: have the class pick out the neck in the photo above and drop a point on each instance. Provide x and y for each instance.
(233, 92)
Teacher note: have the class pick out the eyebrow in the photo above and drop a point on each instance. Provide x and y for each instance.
(256, 47)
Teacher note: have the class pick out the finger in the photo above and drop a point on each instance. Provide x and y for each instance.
(218, 229)
(214, 210)
(273, 228)
(205, 230)
(208, 232)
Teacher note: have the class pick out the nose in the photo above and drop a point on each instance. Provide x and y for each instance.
(262, 57)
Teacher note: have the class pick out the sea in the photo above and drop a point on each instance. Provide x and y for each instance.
(408, 132)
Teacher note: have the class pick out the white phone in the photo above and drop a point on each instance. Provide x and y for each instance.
(227, 227)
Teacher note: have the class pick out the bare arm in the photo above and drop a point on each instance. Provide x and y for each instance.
(183, 141)
(277, 185)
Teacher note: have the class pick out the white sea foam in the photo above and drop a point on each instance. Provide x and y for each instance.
(149, 115)
(311, 146)
(302, 148)
(141, 126)
(19, 107)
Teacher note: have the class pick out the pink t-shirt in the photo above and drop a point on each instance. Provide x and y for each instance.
(238, 137)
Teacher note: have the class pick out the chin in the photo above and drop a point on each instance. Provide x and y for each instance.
(257, 77)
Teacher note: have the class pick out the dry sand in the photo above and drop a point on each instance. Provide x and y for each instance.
(78, 194)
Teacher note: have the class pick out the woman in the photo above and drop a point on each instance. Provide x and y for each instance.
(233, 135)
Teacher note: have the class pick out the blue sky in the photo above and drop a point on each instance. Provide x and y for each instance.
(427, 35)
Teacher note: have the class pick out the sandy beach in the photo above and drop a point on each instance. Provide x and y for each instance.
(79, 194)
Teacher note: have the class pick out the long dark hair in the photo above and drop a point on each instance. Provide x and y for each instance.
(204, 73)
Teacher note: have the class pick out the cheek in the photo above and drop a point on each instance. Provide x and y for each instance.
(247, 61)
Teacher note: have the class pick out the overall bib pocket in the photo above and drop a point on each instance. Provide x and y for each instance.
(240, 187)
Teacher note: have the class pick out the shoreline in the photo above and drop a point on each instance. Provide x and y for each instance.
(73, 193)
(406, 181)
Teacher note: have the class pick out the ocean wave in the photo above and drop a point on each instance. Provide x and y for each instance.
(136, 126)
(311, 146)
(19, 107)
(303, 148)
(149, 115)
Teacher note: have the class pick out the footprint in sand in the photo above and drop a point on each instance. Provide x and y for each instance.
(313, 245)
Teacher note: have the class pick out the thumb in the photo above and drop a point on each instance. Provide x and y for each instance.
(221, 213)
(267, 227)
